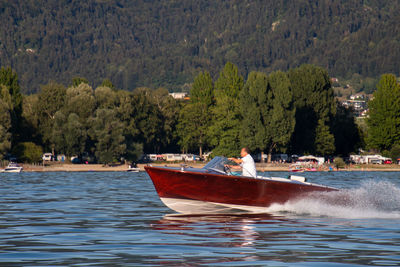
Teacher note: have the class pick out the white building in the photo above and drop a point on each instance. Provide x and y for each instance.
(173, 157)
(368, 159)
(179, 95)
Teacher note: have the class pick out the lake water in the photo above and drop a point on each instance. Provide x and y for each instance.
(97, 219)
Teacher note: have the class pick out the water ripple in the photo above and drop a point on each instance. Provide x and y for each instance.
(117, 219)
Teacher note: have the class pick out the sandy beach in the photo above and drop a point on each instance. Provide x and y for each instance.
(271, 167)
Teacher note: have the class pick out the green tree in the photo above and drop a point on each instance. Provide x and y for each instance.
(30, 121)
(168, 108)
(281, 120)
(348, 137)
(75, 135)
(395, 152)
(225, 129)
(5, 128)
(80, 100)
(339, 163)
(195, 117)
(268, 112)
(133, 151)
(10, 93)
(256, 106)
(28, 152)
(50, 100)
(315, 107)
(107, 131)
(147, 118)
(76, 81)
(384, 114)
(57, 138)
(106, 97)
(126, 113)
(69, 135)
(324, 139)
(107, 83)
(193, 126)
(202, 89)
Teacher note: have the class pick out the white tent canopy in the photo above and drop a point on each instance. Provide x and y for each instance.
(308, 157)
(320, 160)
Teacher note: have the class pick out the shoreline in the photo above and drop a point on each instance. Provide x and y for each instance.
(261, 167)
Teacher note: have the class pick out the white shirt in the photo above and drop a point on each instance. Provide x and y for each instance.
(248, 166)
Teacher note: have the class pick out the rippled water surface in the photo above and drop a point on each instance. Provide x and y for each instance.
(117, 219)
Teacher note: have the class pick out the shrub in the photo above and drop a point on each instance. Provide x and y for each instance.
(28, 152)
(395, 152)
(339, 162)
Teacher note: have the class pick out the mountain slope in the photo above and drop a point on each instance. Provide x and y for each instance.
(165, 43)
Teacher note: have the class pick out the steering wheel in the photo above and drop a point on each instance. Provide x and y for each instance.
(227, 169)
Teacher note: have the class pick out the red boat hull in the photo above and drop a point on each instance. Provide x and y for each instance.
(177, 188)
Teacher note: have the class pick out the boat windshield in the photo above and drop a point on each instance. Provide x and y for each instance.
(13, 164)
(218, 164)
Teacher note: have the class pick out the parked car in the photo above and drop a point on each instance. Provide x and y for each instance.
(143, 159)
(388, 161)
(47, 157)
(75, 160)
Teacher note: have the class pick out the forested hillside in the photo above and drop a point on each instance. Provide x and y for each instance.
(166, 43)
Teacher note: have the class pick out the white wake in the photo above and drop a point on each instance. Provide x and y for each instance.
(372, 200)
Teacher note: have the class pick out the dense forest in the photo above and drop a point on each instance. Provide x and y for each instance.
(293, 112)
(166, 43)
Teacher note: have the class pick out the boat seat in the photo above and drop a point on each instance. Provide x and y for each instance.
(297, 178)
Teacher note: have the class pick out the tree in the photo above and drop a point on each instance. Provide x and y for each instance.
(134, 151)
(5, 128)
(107, 83)
(76, 81)
(51, 99)
(168, 108)
(107, 131)
(192, 126)
(202, 89)
(9, 78)
(106, 97)
(339, 163)
(28, 152)
(315, 107)
(57, 138)
(384, 114)
(147, 118)
(346, 132)
(224, 131)
(80, 100)
(255, 104)
(324, 139)
(267, 111)
(195, 117)
(395, 152)
(10, 93)
(281, 120)
(29, 129)
(75, 135)
(126, 113)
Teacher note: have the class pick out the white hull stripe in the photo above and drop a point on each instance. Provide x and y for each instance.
(189, 206)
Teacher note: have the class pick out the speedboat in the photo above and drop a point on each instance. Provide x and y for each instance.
(214, 189)
(12, 167)
(133, 168)
(296, 167)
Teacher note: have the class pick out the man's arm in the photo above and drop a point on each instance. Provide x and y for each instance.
(238, 161)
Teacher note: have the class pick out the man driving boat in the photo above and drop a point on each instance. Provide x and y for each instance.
(246, 162)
